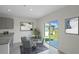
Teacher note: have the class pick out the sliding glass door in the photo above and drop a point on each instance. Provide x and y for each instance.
(52, 33)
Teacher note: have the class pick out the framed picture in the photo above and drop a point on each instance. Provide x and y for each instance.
(25, 26)
(71, 25)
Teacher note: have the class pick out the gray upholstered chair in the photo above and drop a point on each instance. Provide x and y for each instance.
(26, 44)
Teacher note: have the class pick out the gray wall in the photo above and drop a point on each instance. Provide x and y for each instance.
(68, 43)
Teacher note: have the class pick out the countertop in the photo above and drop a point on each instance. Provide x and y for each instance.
(4, 39)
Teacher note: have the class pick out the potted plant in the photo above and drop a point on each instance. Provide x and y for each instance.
(36, 33)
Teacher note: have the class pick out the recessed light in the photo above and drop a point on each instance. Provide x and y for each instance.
(31, 9)
(9, 10)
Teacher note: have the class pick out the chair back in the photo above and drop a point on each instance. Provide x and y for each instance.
(26, 42)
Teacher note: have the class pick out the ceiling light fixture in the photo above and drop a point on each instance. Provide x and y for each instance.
(31, 9)
(9, 10)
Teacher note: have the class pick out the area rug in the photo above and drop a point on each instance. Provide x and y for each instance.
(38, 49)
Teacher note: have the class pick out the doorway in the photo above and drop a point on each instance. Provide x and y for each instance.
(51, 33)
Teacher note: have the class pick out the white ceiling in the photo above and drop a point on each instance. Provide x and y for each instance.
(33, 11)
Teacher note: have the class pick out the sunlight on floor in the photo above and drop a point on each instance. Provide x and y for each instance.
(51, 50)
